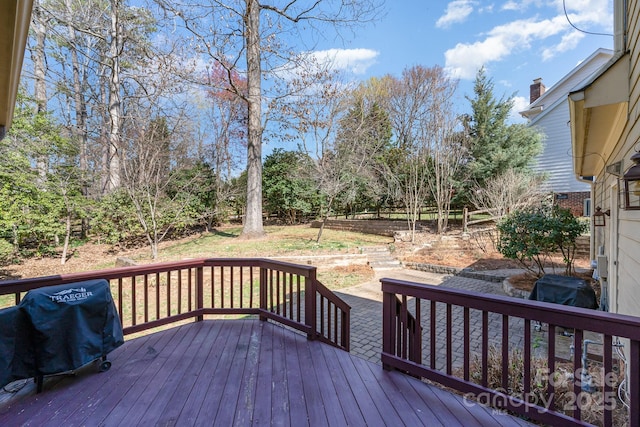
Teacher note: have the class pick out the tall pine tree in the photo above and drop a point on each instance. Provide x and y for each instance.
(495, 145)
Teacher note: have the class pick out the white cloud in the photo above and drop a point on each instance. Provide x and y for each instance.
(569, 41)
(457, 11)
(520, 5)
(586, 14)
(356, 61)
(463, 60)
(466, 58)
(510, 5)
(520, 103)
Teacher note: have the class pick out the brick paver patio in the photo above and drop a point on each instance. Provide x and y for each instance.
(366, 315)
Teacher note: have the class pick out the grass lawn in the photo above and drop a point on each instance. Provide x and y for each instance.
(280, 241)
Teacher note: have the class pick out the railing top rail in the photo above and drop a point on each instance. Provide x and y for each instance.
(561, 315)
(22, 285)
(287, 267)
(327, 293)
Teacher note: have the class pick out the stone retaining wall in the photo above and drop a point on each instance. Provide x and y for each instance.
(432, 268)
(374, 226)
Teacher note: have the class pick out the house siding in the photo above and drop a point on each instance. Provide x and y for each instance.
(629, 225)
(555, 160)
(621, 240)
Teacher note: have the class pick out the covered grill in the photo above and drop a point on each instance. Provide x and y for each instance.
(16, 347)
(564, 290)
(65, 327)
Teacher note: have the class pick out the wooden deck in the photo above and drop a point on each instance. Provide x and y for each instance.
(241, 372)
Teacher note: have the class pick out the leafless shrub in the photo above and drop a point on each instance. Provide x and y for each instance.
(512, 189)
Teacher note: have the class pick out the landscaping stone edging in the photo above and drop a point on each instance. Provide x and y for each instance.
(432, 268)
(511, 291)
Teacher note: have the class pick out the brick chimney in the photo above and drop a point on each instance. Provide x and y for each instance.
(536, 90)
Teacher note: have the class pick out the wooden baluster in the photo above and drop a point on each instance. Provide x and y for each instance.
(179, 291)
(551, 362)
(168, 274)
(633, 366)
(505, 352)
(485, 348)
(577, 370)
(200, 291)
(527, 359)
(467, 344)
(432, 337)
(134, 320)
(146, 298)
(449, 340)
(157, 296)
(607, 391)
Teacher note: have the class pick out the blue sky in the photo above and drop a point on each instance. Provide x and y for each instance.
(517, 41)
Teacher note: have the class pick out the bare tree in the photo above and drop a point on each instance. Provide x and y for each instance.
(316, 103)
(156, 145)
(351, 161)
(92, 40)
(148, 178)
(428, 153)
(513, 189)
(227, 121)
(253, 35)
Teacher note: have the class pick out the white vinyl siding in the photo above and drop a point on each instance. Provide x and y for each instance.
(555, 161)
(627, 254)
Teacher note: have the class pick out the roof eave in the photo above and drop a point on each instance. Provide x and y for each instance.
(598, 114)
(15, 17)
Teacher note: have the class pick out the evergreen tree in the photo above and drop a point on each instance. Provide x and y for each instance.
(288, 189)
(495, 145)
(37, 205)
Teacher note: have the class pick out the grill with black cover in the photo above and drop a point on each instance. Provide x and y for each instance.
(565, 290)
(71, 325)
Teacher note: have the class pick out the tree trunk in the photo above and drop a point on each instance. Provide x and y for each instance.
(324, 220)
(113, 181)
(253, 215)
(39, 71)
(80, 129)
(67, 238)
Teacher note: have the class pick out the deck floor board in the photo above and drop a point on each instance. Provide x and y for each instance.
(241, 372)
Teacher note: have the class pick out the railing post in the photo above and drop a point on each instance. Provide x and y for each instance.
(310, 304)
(346, 330)
(199, 291)
(263, 292)
(389, 314)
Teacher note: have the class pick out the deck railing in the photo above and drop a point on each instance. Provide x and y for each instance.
(153, 295)
(456, 338)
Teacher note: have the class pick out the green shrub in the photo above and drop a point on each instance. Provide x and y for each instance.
(533, 235)
(7, 252)
(114, 221)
